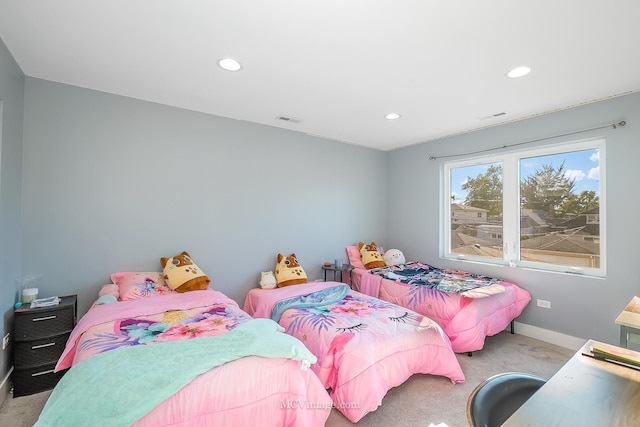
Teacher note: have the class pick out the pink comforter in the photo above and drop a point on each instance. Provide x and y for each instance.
(364, 346)
(466, 321)
(276, 391)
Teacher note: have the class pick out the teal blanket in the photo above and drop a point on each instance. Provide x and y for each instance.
(98, 390)
(324, 297)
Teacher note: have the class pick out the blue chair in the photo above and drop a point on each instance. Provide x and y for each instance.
(493, 401)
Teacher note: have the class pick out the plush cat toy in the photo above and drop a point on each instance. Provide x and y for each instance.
(393, 257)
(182, 274)
(371, 257)
(289, 272)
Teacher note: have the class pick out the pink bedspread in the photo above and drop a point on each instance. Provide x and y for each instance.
(276, 391)
(364, 346)
(466, 321)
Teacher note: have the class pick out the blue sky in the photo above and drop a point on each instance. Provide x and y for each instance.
(582, 166)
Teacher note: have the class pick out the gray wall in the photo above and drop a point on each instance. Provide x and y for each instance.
(580, 306)
(113, 184)
(93, 183)
(11, 98)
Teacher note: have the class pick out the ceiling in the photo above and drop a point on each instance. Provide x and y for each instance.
(337, 67)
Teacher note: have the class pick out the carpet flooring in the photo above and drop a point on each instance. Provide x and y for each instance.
(423, 400)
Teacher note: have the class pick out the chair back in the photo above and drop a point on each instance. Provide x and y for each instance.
(494, 400)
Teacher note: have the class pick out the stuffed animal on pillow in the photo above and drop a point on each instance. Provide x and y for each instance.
(267, 280)
(182, 274)
(371, 257)
(393, 257)
(289, 272)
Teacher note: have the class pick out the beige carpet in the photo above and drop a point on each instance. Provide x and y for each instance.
(420, 401)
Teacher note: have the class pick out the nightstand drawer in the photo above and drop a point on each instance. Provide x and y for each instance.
(44, 323)
(39, 351)
(36, 379)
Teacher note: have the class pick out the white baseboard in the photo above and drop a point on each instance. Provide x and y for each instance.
(552, 337)
(5, 386)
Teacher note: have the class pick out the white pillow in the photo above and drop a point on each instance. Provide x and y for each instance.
(393, 257)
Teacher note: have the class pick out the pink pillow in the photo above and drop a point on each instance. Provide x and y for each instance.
(353, 253)
(355, 259)
(136, 285)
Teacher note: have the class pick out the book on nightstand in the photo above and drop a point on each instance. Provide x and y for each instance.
(45, 302)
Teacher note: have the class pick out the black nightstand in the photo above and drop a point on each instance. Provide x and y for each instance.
(332, 267)
(40, 336)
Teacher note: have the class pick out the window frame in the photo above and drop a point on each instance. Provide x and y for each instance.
(510, 161)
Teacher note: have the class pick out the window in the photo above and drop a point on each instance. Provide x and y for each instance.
(540, 208)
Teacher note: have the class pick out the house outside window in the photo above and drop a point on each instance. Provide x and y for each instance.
(540, 208)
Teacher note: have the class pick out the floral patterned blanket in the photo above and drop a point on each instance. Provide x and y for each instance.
(173, 317)
(364, 345)
(443, 280)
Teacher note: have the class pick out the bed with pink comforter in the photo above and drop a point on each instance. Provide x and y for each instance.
(365, 346)
(467, 317)
(235, 370)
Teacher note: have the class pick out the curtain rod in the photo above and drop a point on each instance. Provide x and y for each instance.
(613, 125)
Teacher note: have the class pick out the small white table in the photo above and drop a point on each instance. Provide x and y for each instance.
(629, 320)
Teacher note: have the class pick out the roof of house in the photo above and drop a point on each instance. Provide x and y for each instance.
(459, 207)
(560, 242)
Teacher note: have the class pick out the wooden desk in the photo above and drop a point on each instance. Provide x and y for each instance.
(629, 320)
(584, 392)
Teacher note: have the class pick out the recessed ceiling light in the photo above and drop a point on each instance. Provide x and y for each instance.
(229, 64)
(518, 72)
(392, 116)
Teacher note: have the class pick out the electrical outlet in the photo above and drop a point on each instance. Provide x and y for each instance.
(5, 341)
(544, 303)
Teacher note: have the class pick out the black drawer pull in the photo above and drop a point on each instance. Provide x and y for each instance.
(35, 347)
(38, 319)
(50, 371)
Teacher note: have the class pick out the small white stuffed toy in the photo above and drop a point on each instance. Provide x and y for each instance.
(393, 257)
(267, 280)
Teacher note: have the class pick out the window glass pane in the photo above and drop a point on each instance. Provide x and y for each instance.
(476, 210)
(560, 209)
